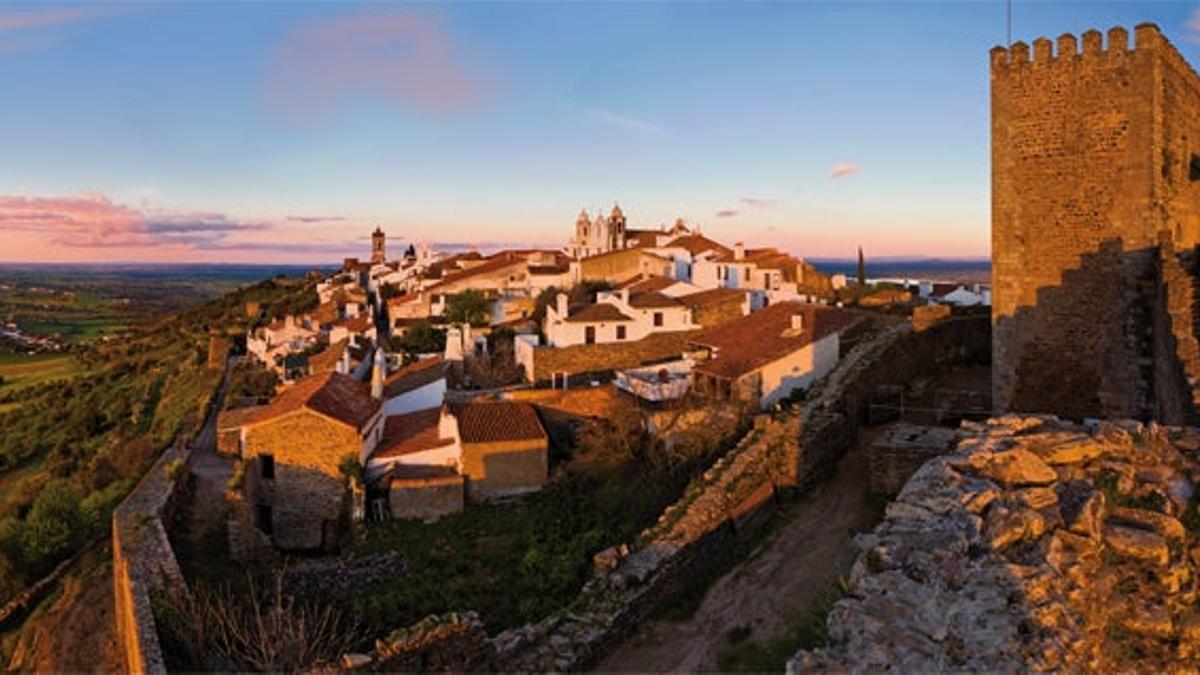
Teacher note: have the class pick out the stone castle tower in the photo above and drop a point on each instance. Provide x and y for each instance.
(378, 254)
(1095, 162)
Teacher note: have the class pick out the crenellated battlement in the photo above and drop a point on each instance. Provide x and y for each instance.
(1066, 49)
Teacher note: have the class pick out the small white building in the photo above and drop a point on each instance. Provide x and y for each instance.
(616, 316)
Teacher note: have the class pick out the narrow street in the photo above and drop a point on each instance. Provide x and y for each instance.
(780, 582)
(201, 531)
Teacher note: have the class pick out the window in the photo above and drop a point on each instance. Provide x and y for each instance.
(266, 465)
(747, 274)
(589, 335)
(658, 319)
(1194, 168)
(265, 522)
(620, 332)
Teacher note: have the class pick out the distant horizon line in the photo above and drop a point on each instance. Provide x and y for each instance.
(164, 263)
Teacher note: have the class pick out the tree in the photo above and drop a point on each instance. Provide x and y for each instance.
(422, 338)
(862, 269)
(468, 307)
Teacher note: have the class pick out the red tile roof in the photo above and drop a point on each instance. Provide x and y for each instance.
(332, 394)
(653, 300)
(495, 264)
(497, 421)
(414, 376)
(643, 238)
(712, 296)
(327, 359)
(643, 285)
(407, 434)
(749, 343)
(596, 313)
(358, 324)
(697, 244)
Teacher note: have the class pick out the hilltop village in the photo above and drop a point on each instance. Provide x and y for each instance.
(413, 375)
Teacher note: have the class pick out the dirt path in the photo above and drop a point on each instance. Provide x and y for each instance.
(201, 534)
(780, 581)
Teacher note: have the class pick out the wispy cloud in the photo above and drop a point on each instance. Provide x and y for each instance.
(1192, 27)
(623, 121)
(843, 170)
(316, 219)
(408, 59)
(758, 202)
(727, 213)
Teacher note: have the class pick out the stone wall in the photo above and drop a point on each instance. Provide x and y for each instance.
(902, 450)
(144, 564)
(924, 316)
(1175, 340)
(306, 494)
(1038, 545)
(1090, 162)
(449, 642)
(425, 497)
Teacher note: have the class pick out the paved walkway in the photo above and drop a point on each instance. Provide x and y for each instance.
(776, 584)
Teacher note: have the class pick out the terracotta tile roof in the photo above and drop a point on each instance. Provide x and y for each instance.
(403, 299)
(697, 244)
(338, 396)
(327, 359)
(764, 258)
(641, 284)
(414, 376)
(497, 421)
(495, 264)
(549, 269)
(643, 238)
(653, 300)
(751, 342)
(236, 418)
(358, 324)
(712, 296)
(414, 432)
(597, 312)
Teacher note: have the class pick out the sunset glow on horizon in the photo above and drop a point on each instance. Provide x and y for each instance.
(272, 133)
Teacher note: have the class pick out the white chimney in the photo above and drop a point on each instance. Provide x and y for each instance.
(343, 366)
(561, 305)
(797, 322)
(624, 295)
(378, 370)
(739, 251)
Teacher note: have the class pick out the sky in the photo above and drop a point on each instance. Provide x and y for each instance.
(281, 132)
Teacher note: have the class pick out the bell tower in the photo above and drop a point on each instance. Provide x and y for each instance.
(377, 251)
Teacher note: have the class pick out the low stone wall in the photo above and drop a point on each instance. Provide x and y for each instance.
(449, 642)
(1038, 545)
(143, 562)
(924, 316)
(902, 450)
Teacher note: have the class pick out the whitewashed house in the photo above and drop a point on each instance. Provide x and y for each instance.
(616, 316)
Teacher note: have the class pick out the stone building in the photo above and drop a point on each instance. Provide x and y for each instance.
(593, 237)
(293, 449)
(1095, 161)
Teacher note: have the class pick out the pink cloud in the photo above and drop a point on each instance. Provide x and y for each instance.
(405, 58)
(844, 169)
(94, 221)
(726, 213)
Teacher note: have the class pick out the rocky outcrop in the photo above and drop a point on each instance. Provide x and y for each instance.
(1037, 545)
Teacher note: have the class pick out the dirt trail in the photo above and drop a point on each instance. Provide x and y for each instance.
(778, 582)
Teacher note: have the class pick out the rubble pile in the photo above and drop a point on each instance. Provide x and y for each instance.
(1037, 544)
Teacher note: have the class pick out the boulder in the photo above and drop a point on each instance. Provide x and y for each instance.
(1153, 521)
(1147, 619)
(1073, 450)
(1130, 542)
(1082, 508)
(1003, 527)
(1018, 467)
(1036, 498)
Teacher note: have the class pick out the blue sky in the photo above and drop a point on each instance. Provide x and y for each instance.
(283, 132)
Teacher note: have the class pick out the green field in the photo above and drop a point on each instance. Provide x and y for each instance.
(20, 371)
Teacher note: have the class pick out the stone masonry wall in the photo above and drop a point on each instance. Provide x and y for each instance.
(306, 493)
(1174, 333)
(1038, 545)
(1090, 162)
(143, 562)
